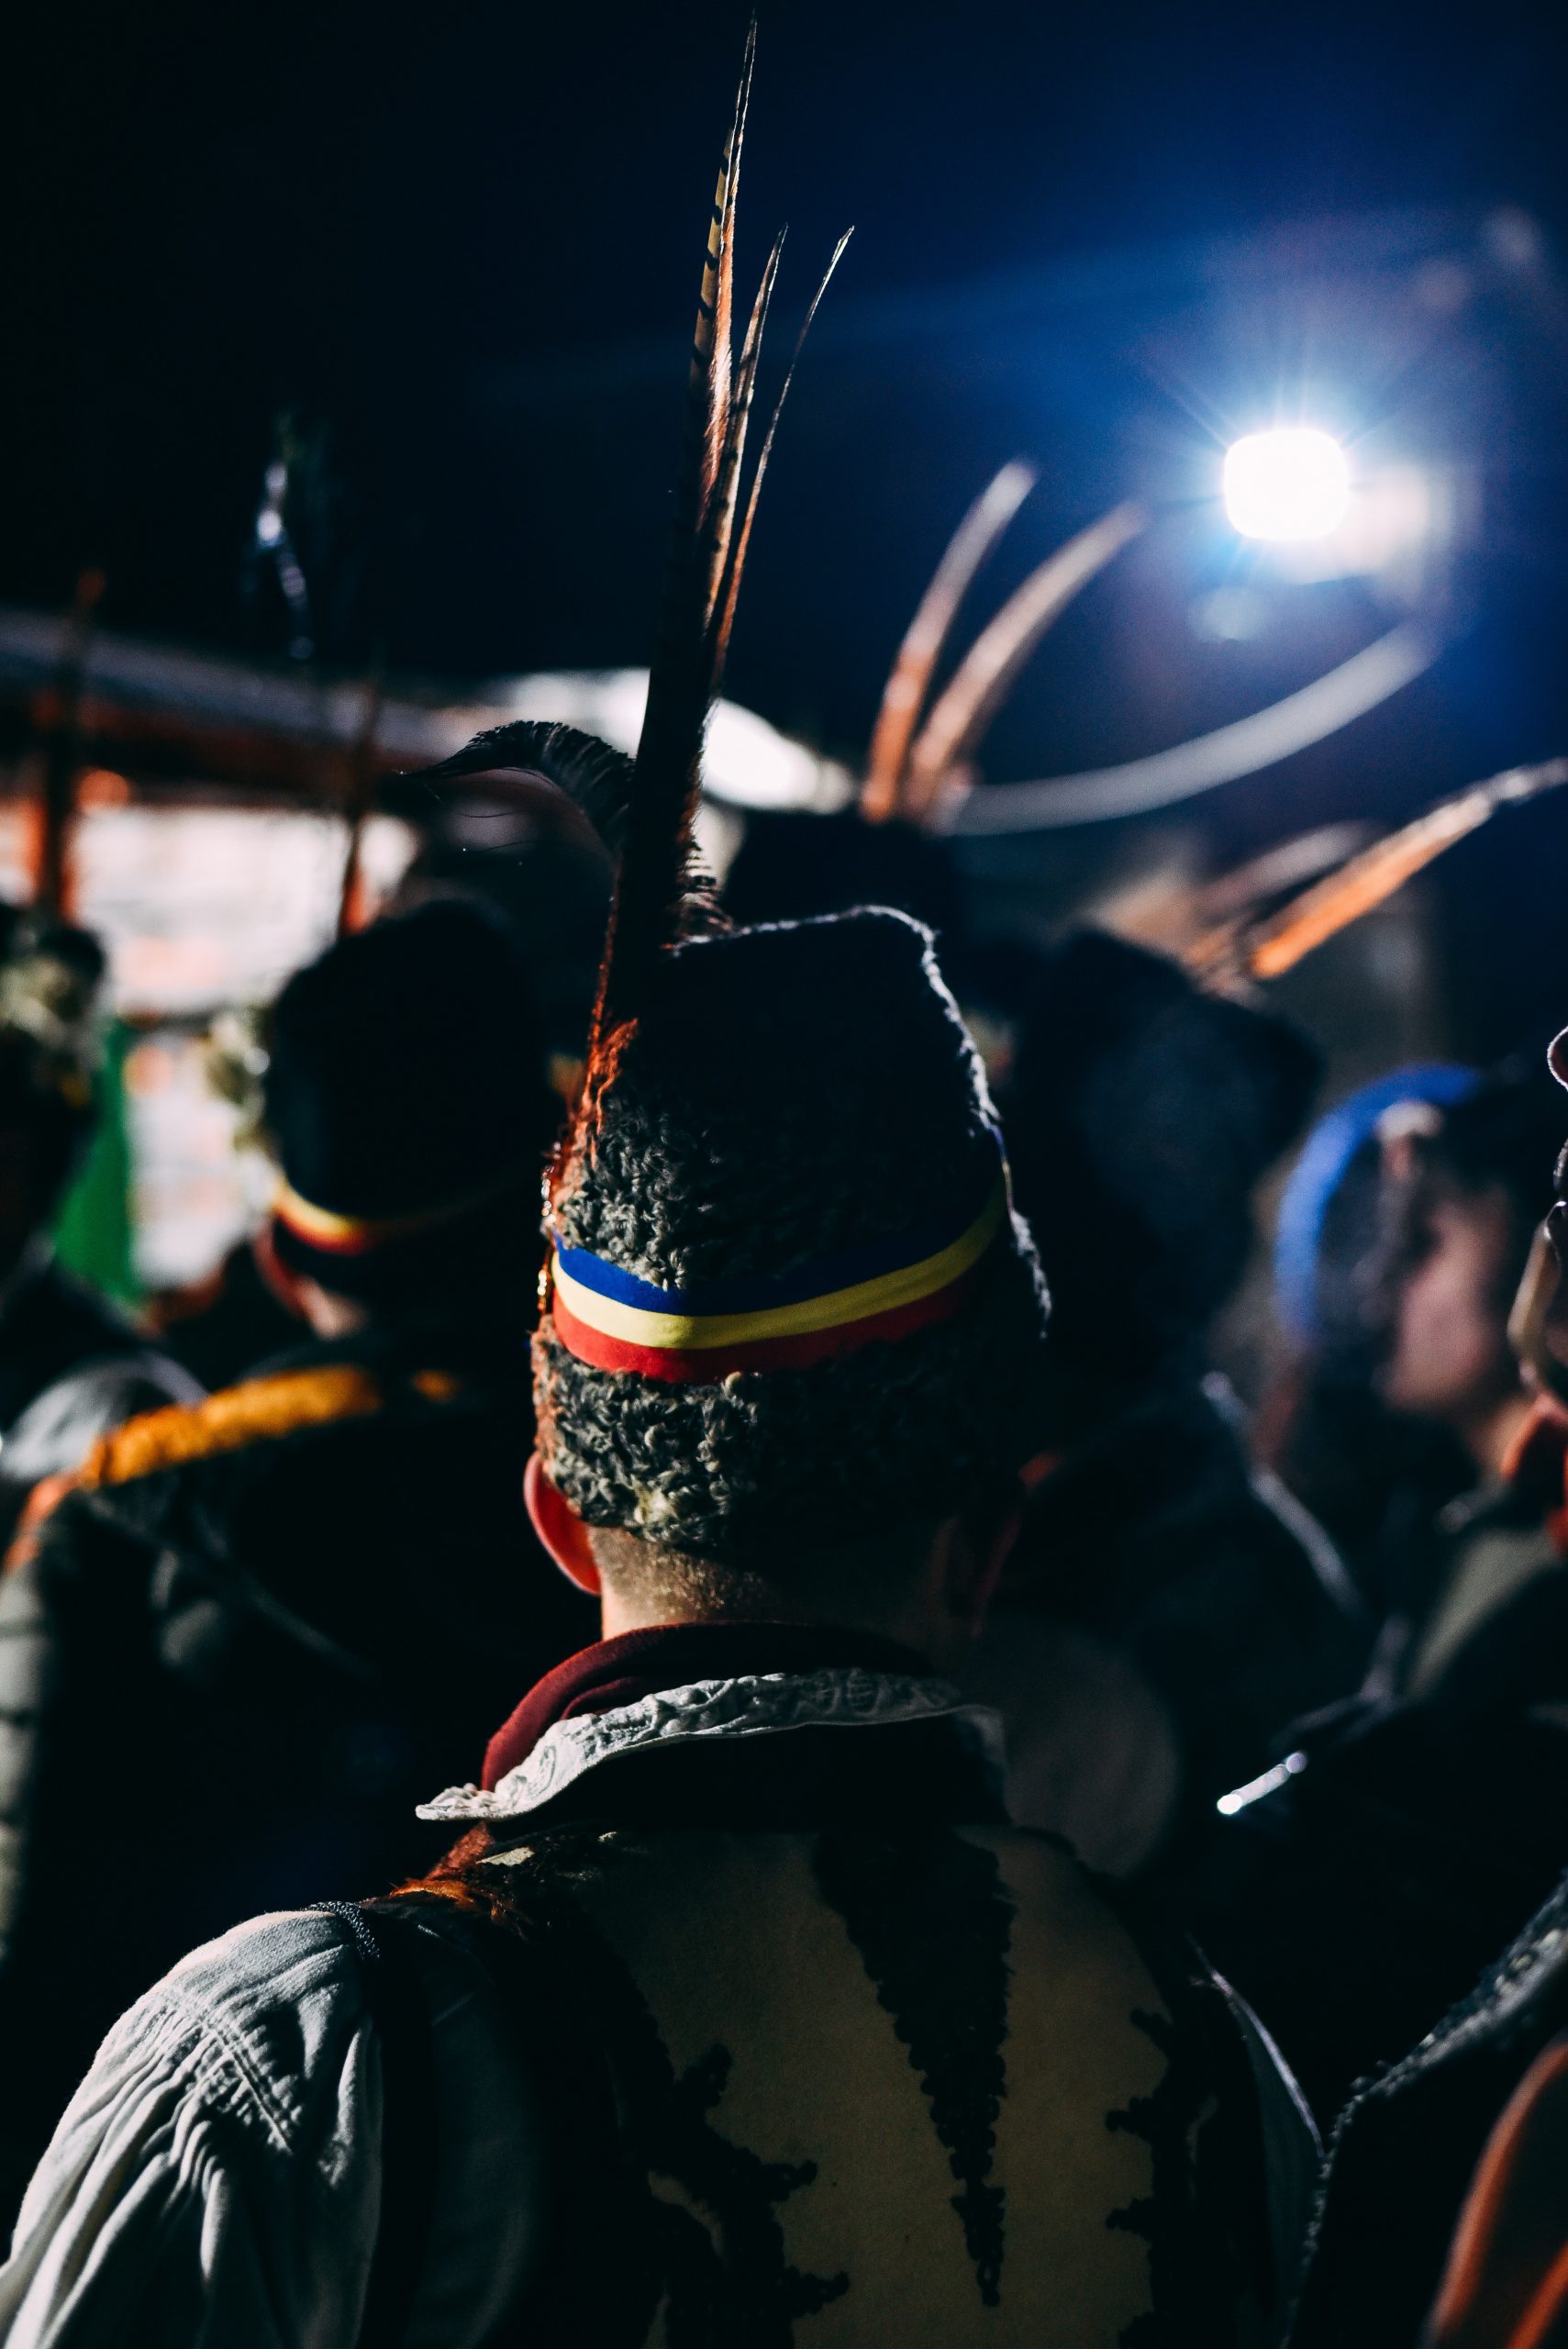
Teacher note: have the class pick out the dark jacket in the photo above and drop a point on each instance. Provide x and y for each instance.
(260, 1632)
(1420, 1825)
(1156, 1537)
(1406, 2146)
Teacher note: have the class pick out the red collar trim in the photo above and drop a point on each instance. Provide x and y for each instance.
(614, 1673)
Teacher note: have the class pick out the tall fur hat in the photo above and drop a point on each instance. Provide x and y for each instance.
(796, 1125)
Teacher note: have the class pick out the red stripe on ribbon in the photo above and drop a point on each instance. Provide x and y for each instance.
(706, 1364)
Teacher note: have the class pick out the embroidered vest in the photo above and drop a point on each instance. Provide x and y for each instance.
(864, 2085)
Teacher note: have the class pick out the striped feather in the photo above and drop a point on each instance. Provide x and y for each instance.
(712, 349)
(904, 694)
(658, 885)
(725, 617)
(974, 694)
(1366, 881)
(726, 581)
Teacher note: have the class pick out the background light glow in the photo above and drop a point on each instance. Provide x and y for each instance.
(1286, 485)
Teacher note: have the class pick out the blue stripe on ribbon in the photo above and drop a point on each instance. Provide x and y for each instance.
(755, 1292)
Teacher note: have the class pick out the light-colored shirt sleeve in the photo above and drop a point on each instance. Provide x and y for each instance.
(216, 2181)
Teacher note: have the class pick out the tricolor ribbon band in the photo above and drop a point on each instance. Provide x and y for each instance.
(357, 1235)
(613, 1320)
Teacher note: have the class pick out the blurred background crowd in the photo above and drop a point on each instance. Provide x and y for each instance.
(1236, 355)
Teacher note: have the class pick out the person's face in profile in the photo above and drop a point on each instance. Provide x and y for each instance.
(1448, 1352)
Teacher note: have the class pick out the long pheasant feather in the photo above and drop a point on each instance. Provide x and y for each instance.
(712, 352)
(909, 681)
(656, 866)
(1366, 881)
(726, 616)
(731, 552)
(975, 692)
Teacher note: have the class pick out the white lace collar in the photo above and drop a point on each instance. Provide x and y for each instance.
(764, 1704)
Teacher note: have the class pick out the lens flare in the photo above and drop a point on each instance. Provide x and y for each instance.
(1285, 484)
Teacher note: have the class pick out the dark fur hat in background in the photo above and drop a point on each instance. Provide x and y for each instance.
(406, 1085)
(517, 845)
(789, 1093)
(1141, 1113)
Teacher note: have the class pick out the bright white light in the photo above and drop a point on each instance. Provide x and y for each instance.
(1286, 485)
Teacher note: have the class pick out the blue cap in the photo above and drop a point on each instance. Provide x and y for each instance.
(1335, 1141)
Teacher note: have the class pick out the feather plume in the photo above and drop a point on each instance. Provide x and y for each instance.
(711, 434)
(661, 893)
(657, 881)
(909, 681)
(978, 686)
(1365, 881)
(725, 617)
(643, 809)
(726, 581)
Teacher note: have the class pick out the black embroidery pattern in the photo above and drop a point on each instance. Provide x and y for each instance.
(741, 2291)
(1184, 2272)
(926, 1910)
(722, 2278)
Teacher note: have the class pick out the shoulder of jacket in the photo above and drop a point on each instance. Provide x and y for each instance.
(255, 2033)
(259, 1411)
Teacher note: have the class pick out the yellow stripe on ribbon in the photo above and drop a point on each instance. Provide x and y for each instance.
(326, 1229)
(689, 1332)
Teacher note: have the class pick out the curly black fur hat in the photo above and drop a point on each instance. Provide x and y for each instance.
(785, 1093)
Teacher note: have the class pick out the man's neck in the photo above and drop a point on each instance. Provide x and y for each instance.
(620, 1613)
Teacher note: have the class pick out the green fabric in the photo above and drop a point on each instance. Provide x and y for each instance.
(94, 1232)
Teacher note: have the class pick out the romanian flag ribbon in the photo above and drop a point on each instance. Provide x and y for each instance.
(612, 1320)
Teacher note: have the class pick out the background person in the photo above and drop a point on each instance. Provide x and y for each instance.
(1166, 1612)
(1423, 1823)
(71, 1364)
(280, 1615)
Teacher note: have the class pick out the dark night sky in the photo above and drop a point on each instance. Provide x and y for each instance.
(369, 208)
(410, 220)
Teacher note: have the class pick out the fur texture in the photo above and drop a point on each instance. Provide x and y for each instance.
(789, 1093)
